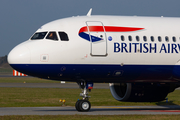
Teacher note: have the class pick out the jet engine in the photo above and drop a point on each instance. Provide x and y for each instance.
(141, 92)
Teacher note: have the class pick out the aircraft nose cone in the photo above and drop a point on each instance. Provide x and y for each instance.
(19, 55)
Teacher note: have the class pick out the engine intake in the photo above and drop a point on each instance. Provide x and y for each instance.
(141, 92)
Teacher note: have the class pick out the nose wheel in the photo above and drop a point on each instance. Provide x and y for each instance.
(84, 105)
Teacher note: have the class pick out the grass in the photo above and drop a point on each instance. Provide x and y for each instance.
(37, 97)
(92, 117)
(31, 97)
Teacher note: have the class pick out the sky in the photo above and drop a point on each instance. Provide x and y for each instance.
(19, 19)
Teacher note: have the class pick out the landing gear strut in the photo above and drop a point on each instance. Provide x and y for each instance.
(84, 105)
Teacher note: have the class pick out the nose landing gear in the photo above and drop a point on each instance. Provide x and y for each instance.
(84, 105)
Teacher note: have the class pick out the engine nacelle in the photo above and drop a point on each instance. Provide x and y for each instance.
(141, 92)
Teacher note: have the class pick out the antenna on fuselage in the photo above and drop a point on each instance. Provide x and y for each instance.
(89, 13)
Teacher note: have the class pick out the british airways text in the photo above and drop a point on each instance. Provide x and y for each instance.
(146, 48)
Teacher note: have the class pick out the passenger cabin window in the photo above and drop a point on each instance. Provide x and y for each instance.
(52, 36)
(145, 38)
(174, 39)
(137, 38)
(38, 35)
(152, 38)
(159, 39)
(167, 39)
(63, 36)
(122, 38)
(130, 38)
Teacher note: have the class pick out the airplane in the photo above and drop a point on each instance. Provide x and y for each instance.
(138, 56)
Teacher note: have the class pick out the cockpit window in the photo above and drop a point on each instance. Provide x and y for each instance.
(38, 35)
(63, 36)
(52, 36)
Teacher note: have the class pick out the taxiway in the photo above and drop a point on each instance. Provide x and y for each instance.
(95, 110)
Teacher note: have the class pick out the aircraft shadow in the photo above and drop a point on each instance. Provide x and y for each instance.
(164, 103)
(136, 108)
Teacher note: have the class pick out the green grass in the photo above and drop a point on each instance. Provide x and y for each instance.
(33, 97)
(38, 97)
(92, 117)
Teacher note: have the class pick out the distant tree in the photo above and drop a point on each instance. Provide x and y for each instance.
(3, 60)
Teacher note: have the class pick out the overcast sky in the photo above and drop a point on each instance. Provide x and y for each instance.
(19, 19)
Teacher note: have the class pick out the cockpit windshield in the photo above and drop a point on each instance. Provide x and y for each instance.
(52, 36)
(38, 35)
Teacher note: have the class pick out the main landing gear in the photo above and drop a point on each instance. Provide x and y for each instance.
(84, 105)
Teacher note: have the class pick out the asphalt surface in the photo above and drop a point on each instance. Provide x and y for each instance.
(101, 110)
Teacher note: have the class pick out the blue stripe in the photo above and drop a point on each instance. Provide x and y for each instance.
(102, 73)
(86, 36)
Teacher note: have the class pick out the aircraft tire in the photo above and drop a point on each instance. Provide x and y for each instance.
(84, 105)
(77, 105)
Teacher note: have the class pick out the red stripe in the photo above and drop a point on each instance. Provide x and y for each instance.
(108, 29)
(96, 29)
(83, 29)
(121, 29)
(14, 72)
(90, 87)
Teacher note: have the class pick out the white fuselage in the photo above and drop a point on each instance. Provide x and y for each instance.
(155, 42)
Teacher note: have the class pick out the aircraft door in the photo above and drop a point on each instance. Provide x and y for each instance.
(98, 38)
